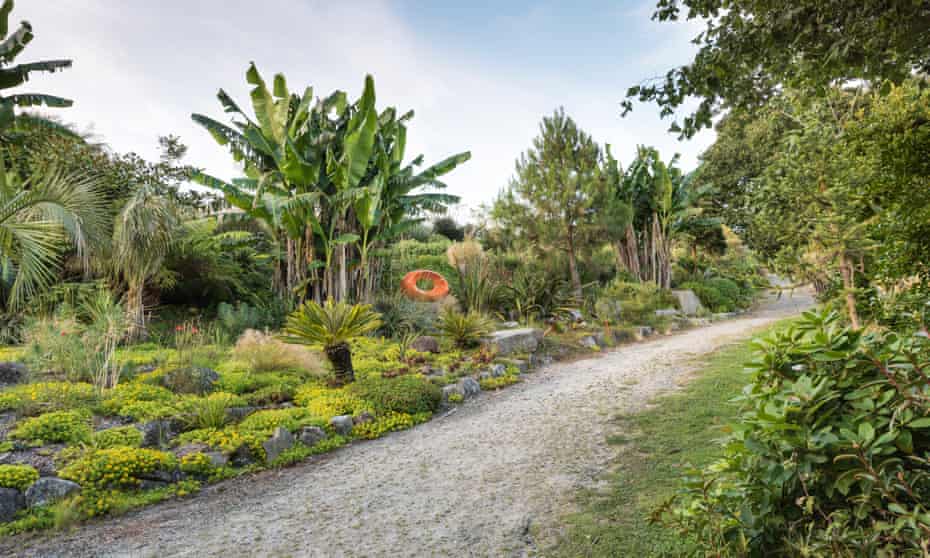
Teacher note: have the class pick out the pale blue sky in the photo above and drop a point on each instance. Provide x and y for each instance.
(479, 74)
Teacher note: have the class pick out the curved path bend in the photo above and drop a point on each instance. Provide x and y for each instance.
(490, 479)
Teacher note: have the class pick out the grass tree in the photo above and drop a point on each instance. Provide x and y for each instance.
(332, 325)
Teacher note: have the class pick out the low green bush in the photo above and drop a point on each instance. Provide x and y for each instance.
(117, 467)
(830, 454)
(19, 477)
(120, 436)
(464, 330)
(403, 394)
(69, 427)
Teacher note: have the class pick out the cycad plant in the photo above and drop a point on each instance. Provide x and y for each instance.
(332, 325)
(40, 218)
(465, 330)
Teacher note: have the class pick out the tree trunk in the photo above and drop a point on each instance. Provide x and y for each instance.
(573, 264)
(849, 285)
(340, 356)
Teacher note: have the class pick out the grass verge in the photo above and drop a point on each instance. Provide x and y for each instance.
(658, 445)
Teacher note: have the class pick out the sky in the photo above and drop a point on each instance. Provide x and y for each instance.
(479, 74)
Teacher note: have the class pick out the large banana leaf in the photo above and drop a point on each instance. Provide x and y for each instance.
(360, 140)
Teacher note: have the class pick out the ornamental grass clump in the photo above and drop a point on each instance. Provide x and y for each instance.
(332, 325)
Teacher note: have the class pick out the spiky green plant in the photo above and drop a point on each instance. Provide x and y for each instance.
(465, 330)
(332, 325)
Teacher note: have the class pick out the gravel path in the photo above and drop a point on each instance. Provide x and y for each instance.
(490, 479)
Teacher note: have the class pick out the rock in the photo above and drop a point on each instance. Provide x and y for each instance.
(666, 312)
(311, 435)
(452, 389)
(470, 387)
(510, 325)
(588, 342)
(236, 414)
(363, 417)
(642, 332)
(41, 458)
(723, 316)
(242, 456)
(146, 368)
(281, 439)
(698, 322)
(689, 302)
(509, 341)
(12, 372)
(194, 379)
(576, 316)
(188, 449)
(162, 476)
(498, 370)
(538, 361)
(486, 375)
(147, 484)
(342, 424)
(156, 433)
(11, 501)
(48, 490)
(522, 366)
(217, 458)
(425, 344)
(623, 336)
(604, 340)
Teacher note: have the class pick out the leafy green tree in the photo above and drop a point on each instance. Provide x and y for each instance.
(751, 49)
(327, 177)
(552, 198)
(449, 228)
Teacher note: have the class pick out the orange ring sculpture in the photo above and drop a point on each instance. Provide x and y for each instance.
(408, 285)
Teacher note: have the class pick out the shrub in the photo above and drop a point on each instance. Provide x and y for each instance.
(326, 403)
(118, 399)
(117, 467)
(263, 353)
(709, 296)
(210, 411)
(264, 422)
(60, 426)
(639, 301)
(403, 394)
(33, 399)
(128, 436)
(388, 423)
(465, 330)
(399, 314)
(829, 457)
(19, 477)
(197, 464)
(489, 384)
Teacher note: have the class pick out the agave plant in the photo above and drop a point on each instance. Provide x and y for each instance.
(332, 325)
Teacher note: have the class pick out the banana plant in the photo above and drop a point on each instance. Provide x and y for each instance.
(11, 45)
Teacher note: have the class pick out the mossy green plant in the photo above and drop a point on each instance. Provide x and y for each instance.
(69, 427)
(19, 477)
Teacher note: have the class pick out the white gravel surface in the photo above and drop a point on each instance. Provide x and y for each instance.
(490, 479)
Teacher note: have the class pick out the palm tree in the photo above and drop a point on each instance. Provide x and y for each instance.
(332, 325)
(142, 236)
(40, 218)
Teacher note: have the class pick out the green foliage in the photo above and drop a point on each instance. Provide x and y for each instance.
(327, 403)
(331, 325)
(404, 394)
(464, 330)
(390, 422)
(829, 454)
(19, 477)
(70, 427)
(209, 411)
(120, 467)
(139, 400)
(749, 50)
(197, 464)
(447, 227)
(399, 314)
(719, 294)
(120, 436)
(33, 399)
(490, 384)
(638, 301)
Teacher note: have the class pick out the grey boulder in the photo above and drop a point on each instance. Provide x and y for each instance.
(12, 372)
(425, 344)
(689, 302)
(311, 435)
(342, 424)
(281, 439)
(509, 341)
(48, 490)
(11, 501)
(470, 387)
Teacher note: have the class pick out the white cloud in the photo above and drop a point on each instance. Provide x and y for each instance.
(142, 67)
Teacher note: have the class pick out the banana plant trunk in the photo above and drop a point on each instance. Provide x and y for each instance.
(340, 356)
